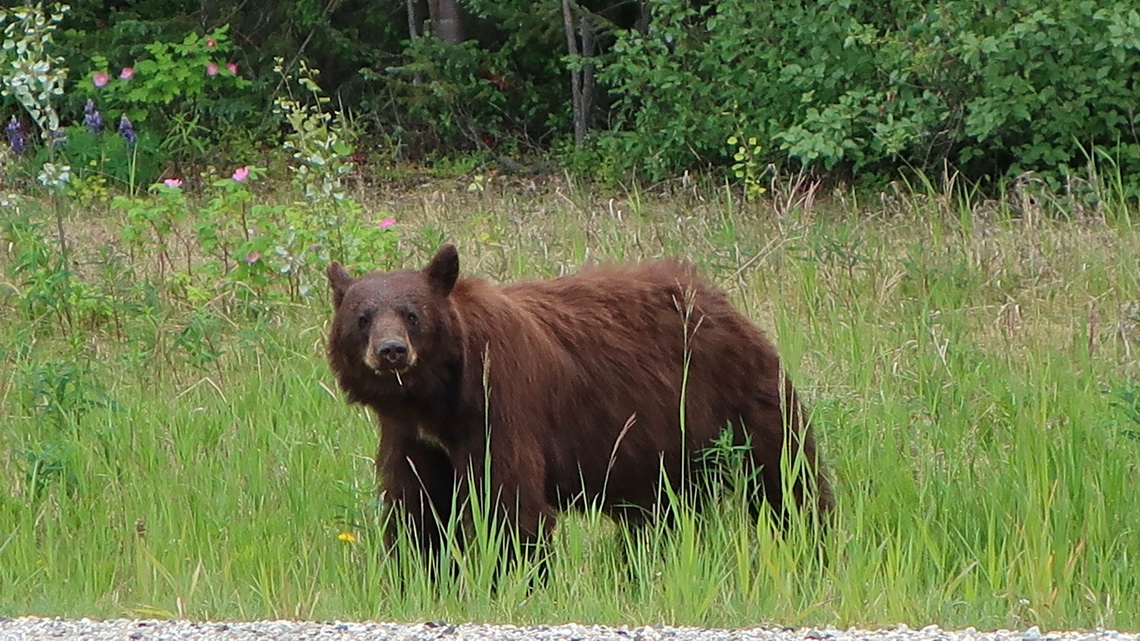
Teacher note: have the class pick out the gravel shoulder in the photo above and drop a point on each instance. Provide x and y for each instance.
(26, 628)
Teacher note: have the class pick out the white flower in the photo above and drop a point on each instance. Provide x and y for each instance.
(56, 176)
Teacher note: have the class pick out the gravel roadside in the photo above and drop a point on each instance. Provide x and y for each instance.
(26, 628)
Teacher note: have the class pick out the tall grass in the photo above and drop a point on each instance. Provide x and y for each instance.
(971, 372)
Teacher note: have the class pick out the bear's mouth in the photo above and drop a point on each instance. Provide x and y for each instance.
(395, 372)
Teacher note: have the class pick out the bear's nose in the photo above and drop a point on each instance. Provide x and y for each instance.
(393, 351)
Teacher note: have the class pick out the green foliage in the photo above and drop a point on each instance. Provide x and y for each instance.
(107, 158)
(44, 287)
(318, 138)
(151, 223)
(329, 222)
(1127, 400)
(838, 86)
(44, 464)
(176, 72)
(233, 253)
(444, 92)
(258, 253)
(1042, 79)
(181, 90)
(60, 393)
(746, 166)
(507, 87)
(29, 71)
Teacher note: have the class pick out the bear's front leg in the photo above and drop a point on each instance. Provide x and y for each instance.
(418, 482)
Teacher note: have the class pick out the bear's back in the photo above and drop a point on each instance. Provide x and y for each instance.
(575, 359)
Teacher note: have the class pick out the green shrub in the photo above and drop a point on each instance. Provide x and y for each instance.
(841, 86)
(465, 96)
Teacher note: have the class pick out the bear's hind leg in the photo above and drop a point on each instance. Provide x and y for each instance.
(784, 469)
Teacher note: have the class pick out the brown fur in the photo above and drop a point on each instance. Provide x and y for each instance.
(577, 380)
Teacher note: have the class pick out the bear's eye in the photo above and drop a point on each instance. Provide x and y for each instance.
(413, 317)
(364, 320)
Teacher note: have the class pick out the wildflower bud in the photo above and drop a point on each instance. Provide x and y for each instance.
(92, 118)
(211, 68)
(100, 79)
(17, 139)
(58, 137)
(127, 130)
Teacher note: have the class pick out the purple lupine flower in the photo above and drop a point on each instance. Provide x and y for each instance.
(127, 130)
(58, 137)
(17, 139)
(92, 118)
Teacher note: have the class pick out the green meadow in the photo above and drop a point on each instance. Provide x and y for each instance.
(173, 445)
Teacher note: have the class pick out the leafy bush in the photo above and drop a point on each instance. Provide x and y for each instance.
(108, 156)
(837, 86)
(182, 91)
(1043, 78)
(465, 96)
(179, 76)
(29, 71)
(231, 251)
(840, 86)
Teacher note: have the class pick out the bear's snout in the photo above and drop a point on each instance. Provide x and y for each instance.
(391, 354)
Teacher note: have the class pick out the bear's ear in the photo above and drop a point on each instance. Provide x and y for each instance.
(339, 282)
(443, 270)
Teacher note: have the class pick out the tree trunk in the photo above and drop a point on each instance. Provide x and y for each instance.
(582, 72)
(586, 27)
(446, 20)
(575, 75)
(415, 18)
(643, 19)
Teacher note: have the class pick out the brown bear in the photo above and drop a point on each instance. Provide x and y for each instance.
(584, 389)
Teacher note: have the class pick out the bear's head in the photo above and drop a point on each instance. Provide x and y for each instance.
(391, 330)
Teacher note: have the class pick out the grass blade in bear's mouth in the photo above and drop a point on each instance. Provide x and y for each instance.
(396, 372)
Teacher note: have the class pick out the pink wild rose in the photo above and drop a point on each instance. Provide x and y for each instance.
(100, 79)
(387, 222)
(232, 66)
(241, 173)
(252, 257)
(211, 42)
(127, 73)
(172, 182)
(211, 68)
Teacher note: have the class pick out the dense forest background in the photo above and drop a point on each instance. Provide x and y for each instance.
(614, 88)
